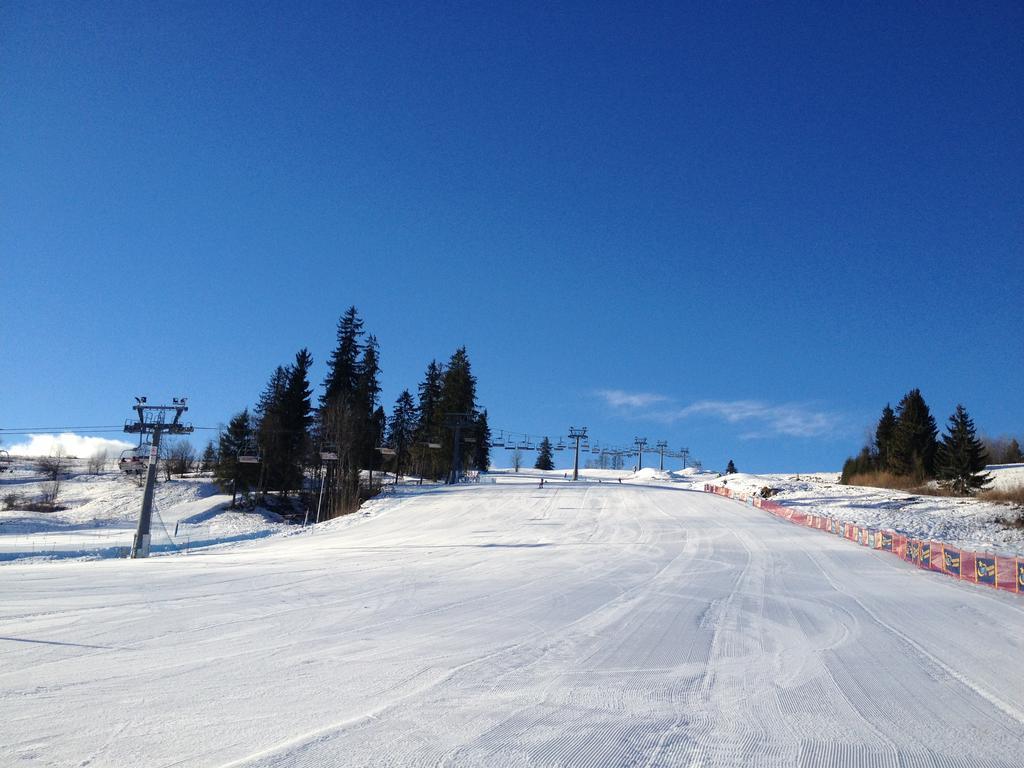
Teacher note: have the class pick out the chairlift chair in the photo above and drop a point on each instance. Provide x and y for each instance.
(249, 454)
(133, 461)
(499, 441)
(560, 445)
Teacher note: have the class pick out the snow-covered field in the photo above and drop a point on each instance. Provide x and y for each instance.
(597, 624)
(968, 523)
(102, 512)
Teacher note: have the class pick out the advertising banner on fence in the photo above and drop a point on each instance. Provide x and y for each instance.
(985, 569)
(951, 561)
(1001, 572)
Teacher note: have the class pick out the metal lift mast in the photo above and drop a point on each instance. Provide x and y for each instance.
(577, 434)
(153, 421)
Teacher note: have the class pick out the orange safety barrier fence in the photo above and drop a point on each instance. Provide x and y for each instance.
(984, 568)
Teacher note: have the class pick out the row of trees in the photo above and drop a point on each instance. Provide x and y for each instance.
(289, 434)
(906, 445)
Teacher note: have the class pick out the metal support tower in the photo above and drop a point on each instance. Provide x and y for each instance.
(661, 445)
(457, 422)
(153, 421)
(684, 452)
(640, 443)
(577, 434)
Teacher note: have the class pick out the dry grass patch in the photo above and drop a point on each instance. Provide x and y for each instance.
(896, 483)
(1012, 495)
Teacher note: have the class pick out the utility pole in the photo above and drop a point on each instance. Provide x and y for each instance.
(457, 422)
(577, 435)
(639, 442)
(661, 445)
(685, 452)
(153, 421)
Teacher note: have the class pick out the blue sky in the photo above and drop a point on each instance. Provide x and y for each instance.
(740, 228)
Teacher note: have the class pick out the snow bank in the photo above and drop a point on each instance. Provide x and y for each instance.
(972, 524)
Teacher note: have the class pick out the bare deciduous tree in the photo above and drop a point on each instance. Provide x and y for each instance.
(97, 462)
(179, 458)
(53, 468)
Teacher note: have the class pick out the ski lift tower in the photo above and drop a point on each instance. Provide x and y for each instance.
(577, 434)
(153, 420)
(457, 422)
(640, 443)
(661, 445)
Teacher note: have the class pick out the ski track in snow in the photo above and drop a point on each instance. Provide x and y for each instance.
(573, 625)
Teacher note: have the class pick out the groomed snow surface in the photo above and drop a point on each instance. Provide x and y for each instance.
(634, 623)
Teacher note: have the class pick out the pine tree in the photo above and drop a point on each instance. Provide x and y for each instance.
(913, 441)
(369, 415)
(401, 430)
(961, 456)
(296, 418)
(458, 395)
(545, 457)
(429, 424)
(884, 439)
(269, 430)
(347, 411)
(482, 446)
(230, 473)
(863, 463)
(1013, 454)
(209, 458)
(343, 366)
(731, 468)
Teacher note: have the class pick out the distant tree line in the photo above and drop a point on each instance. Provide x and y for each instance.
(288, 433)
(906, 446)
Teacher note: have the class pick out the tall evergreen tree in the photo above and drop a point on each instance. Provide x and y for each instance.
(884, 438)
(401, 431)
(482, 446)
(731, 468)
(458, 395)
(208, 461)
(861, 464)
(1013, 453)
(351, 390)
(545, 456)
(296, 419)
(961, 456)
(913, 441)
(230, 473)
(367, 401)
(343, 365)
(429, 425)
(269, 429)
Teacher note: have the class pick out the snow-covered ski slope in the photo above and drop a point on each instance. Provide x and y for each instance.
(576, 625)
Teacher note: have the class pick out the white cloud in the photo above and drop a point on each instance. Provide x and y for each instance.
(82, 446)
(765, 419)
(618, 398)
